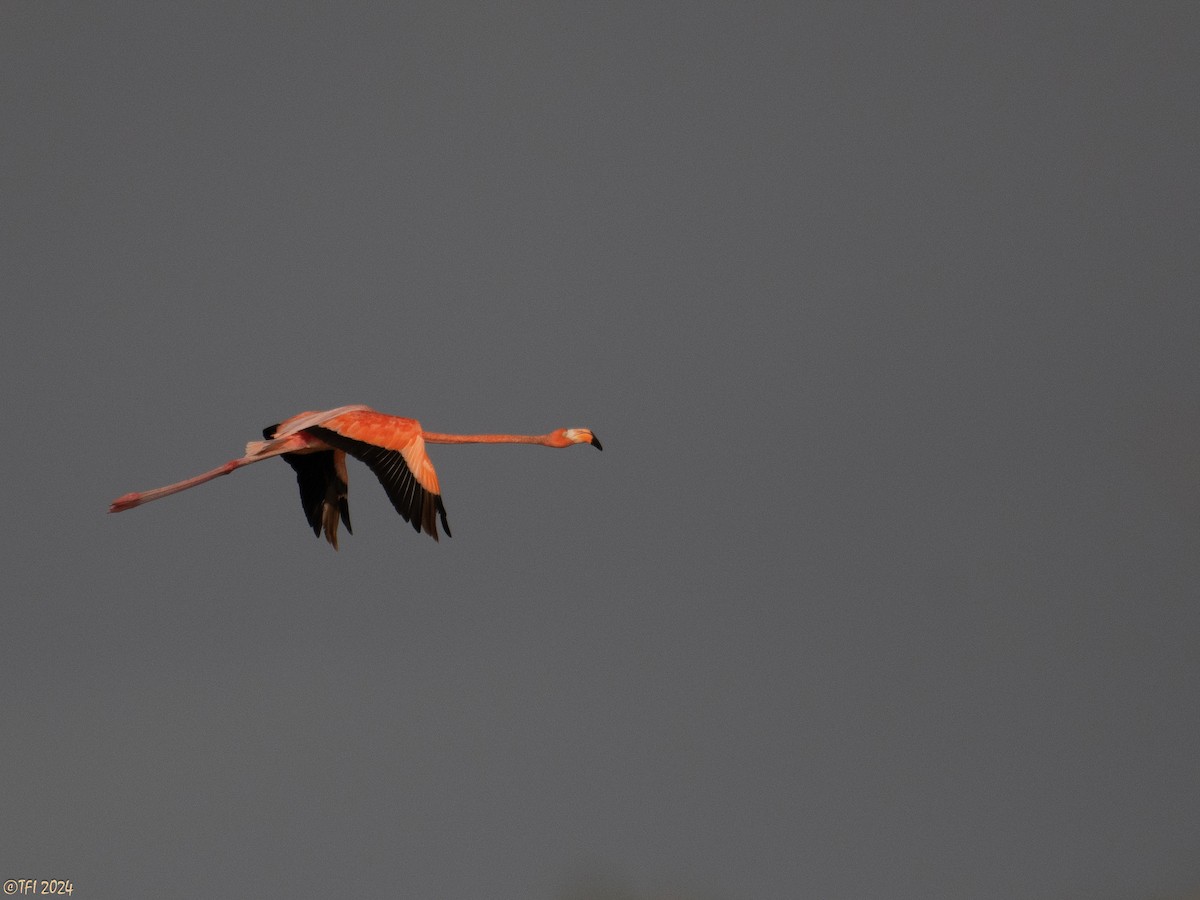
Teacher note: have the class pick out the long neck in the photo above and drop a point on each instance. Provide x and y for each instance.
(433, 437)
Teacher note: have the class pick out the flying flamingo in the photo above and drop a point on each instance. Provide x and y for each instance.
(315, 444)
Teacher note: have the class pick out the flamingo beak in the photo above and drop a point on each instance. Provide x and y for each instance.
(595, 442)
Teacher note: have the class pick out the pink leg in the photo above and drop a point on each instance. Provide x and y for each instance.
(296, 443)
(129, 501)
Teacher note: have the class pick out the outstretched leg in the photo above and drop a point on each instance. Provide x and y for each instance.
(291, 444)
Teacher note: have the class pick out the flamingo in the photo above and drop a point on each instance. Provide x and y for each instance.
(315, 444)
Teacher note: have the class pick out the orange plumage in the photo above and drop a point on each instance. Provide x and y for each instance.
(315, 445)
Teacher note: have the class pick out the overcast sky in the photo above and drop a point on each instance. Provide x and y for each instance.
(885, 584)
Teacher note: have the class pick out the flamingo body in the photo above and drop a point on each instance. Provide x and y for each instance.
(316, 444)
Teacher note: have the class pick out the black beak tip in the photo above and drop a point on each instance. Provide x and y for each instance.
(596, 442)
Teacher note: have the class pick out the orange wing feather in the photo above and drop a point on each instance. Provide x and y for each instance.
(392, 448)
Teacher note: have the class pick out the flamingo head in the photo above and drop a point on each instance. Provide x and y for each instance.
(580, 436)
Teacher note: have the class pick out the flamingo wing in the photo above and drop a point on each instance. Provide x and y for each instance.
(417, 501)
(322, 478)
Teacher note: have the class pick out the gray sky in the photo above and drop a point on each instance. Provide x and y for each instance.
(884, 586)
